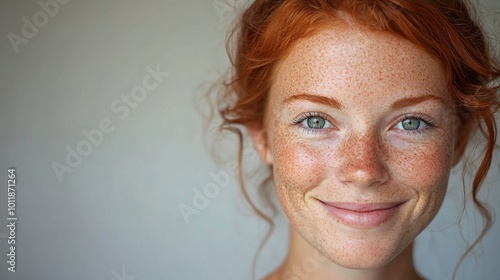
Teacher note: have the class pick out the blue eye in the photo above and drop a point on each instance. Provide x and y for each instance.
(315, 122)
(413, 124)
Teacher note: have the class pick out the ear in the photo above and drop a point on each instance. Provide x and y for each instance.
(260, 142)
(464, 133)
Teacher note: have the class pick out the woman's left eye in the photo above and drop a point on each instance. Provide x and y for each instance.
(412, 124)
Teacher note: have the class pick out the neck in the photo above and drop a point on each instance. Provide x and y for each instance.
(305, 262)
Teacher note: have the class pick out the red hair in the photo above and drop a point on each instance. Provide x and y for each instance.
(444, 28)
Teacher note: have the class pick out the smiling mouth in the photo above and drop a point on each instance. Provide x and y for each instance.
(366, 215)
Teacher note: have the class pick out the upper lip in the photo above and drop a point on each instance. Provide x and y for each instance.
(362, 207)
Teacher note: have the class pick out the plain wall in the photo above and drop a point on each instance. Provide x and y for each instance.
(115, 213)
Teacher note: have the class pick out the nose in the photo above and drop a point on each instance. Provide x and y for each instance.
(362, 161)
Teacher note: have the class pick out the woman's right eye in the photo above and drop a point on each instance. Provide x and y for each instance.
(314, 122)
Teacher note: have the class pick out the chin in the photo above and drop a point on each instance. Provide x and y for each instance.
(355, 250)
(363, 257)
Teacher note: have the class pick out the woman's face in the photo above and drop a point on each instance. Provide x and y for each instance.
(361, 132)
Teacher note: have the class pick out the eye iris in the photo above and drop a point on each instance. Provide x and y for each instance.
(316, 122)
(411, 124)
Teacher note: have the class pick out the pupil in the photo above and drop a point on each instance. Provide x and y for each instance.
(411, 124)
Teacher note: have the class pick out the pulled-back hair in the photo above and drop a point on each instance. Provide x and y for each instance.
(446, 29)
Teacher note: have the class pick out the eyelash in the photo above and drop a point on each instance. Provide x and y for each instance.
(298, 121)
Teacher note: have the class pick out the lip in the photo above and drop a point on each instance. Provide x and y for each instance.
(365, 215)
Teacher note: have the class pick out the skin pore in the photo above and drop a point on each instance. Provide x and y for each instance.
(360, 132)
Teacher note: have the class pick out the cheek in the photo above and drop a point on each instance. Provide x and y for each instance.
(425, 165)
(297, 168)
(425, 171)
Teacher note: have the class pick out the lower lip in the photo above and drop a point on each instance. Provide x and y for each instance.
(356, 219)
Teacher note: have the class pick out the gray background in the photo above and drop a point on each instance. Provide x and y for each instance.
(116, 215)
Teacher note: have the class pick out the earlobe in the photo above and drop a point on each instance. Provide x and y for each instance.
(260, 142)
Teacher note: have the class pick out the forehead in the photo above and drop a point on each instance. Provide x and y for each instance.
(358, 62)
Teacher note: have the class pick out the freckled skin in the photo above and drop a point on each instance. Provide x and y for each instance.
(363, 155)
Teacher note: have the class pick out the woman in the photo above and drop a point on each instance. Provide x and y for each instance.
(360, 109)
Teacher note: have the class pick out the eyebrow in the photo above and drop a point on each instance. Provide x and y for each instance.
(410, 101)
(334, 103)
(328, 101)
